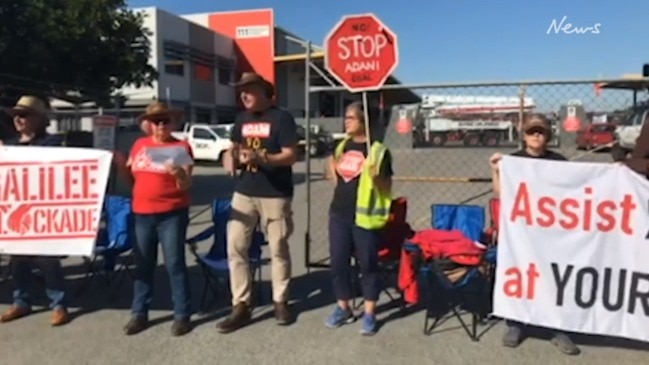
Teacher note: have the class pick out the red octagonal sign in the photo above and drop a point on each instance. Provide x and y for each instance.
(361, 52)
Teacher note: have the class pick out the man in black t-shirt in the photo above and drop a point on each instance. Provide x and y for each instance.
(265, 141)
(537, 133)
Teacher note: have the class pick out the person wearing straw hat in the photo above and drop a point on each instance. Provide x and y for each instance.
(30, 115)
(359, 210)
(537, 134)
(161, 212)
(265, 148)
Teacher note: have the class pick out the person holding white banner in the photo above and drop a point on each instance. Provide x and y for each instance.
(160, 169)
(30, 120)
(537, 133)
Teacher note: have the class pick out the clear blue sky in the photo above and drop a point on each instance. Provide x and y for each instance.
(476, 40)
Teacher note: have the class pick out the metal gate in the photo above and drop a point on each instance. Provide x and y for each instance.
(457, 172)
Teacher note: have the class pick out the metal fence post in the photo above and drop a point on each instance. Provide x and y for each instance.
(521, 115)
(307, 132)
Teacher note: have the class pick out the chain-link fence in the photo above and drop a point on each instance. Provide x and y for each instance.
(441, 146)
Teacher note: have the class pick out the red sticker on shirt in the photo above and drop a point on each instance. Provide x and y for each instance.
(350, 165)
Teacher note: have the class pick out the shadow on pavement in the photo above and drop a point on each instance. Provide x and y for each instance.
(308, 292)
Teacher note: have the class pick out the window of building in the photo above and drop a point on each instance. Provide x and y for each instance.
(175, 55)
(203, 72)
(175, 67)
(225, 76)
(225, 69)
(203, 63)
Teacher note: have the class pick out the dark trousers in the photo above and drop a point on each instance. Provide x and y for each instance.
(345, 240)
(169, 229)
(50, 267)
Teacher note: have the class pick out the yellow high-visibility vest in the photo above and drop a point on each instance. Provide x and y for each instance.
(372, 206)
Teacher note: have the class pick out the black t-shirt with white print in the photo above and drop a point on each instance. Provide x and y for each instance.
(348, 172)
(270, 131)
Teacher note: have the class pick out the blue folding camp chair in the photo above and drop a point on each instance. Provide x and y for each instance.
(469, 292)
(214, 263)
(112, 256)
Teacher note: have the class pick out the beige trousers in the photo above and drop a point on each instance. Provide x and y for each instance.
(276, 220)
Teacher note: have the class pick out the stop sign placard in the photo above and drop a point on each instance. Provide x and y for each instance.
(361, 52)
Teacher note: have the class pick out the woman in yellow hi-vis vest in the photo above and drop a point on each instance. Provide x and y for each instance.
(359, 209)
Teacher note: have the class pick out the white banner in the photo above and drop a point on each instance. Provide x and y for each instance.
(51, 199)
(573, 247)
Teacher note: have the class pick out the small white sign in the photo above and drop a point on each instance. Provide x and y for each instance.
(176, 154)
(103, 129)
(253, 31)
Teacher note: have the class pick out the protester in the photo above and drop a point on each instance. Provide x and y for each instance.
(265, 140)
(161, 208)
(359, 209)
(537, 133)
(30, 117)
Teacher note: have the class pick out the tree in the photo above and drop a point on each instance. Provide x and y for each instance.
(76, 50)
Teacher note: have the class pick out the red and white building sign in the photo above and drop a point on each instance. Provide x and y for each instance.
(51, 199)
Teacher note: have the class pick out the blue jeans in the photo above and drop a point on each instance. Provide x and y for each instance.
(50, 267)
(169, 229)
(347, 239)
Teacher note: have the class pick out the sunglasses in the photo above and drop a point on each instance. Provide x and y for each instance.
(22, 115)
(161, 121)
(533, 131)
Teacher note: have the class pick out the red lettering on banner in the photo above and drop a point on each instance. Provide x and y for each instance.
(574, 213)
(515, 285)
(56, 200)
(255, 130)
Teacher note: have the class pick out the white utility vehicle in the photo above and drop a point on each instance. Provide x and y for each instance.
(208, 141)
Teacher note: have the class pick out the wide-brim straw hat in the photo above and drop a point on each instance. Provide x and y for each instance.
(29, 104)
(158, 109)
(251, 78)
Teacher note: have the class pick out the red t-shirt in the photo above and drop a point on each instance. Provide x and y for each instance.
(155, 190)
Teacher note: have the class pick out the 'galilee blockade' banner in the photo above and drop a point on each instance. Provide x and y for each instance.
(51, 199)
(573, 247)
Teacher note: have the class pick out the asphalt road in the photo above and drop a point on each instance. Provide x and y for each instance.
(95, 336)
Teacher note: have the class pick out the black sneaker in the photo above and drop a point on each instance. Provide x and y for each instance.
(136, 325)
(563, 342)
(240, 317)
(180, 327)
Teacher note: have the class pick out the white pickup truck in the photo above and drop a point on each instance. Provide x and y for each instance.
(627, 133)
(208, 141)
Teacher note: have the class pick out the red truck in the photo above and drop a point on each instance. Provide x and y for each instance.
(596, 135)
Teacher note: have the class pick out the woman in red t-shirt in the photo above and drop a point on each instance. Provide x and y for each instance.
(160, 207)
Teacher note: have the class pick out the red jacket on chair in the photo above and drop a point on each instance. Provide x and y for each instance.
(434, 245)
